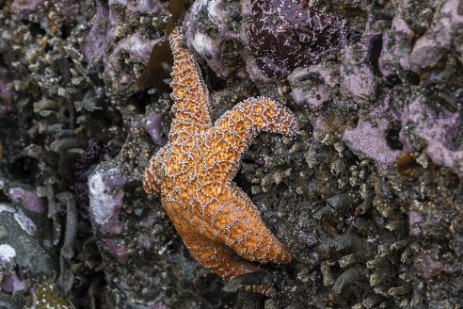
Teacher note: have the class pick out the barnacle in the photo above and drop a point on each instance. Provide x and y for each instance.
(407, 165)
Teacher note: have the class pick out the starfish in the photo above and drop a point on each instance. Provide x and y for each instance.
(193, 173)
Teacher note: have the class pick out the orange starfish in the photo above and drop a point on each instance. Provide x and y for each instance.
(193, 173)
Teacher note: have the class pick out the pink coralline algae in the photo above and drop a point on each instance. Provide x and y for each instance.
(29, 200)
(118, 250)
(368, 139)
(10, 282)
(438, 130)
(21, 8)
(396, 47)
(356, 80)
(429, 265)
(284, 34)
(52, 15)
(7, 254)
(159, 305)
(120, 37)
(25, 223)
(429, 49)
(85, 165)
(414, 219)
(153, 126)
(216, 48)
(320, 82)
(100, 35)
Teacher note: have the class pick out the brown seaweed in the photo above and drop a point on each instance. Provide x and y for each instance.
(155, 71)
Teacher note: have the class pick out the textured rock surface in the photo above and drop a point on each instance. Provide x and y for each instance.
(367, 197)
(262, 40)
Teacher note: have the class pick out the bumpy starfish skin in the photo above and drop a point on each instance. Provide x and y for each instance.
(193, 173)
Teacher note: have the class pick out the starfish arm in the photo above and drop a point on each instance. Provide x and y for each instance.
(234, 131)
(153, 177)
(216, 256)
(191, 98)
(235, 220)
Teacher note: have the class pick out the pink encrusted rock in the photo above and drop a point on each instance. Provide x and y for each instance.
(119, 37)
(357, 82)
(211, 46)
(313, 85)
(19, 8)
(7, 254)
(65, 8)
(25, 223)
(397, 44)
(414, 219)
(53, 16)
(11, 283)
(139, 50)
(153, 126)
(159, 305)
(100, 35)
(431, 47)
(437, 130)
(368, 139)
(428, 265)
(118, 250)
(30, 200)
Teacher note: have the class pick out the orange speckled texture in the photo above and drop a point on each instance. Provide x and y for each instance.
(193, 173)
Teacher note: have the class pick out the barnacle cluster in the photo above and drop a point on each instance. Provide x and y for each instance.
(53, 104)
(121, 41)
(55, 16)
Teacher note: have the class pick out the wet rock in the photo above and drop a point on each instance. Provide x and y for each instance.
(366, 196)
(431, 48)
(25, 257)
(6, 95)
(121, 39)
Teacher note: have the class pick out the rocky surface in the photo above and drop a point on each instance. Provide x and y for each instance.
(368, 197)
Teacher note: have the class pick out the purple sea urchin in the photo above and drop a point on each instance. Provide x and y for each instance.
(284, 34)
